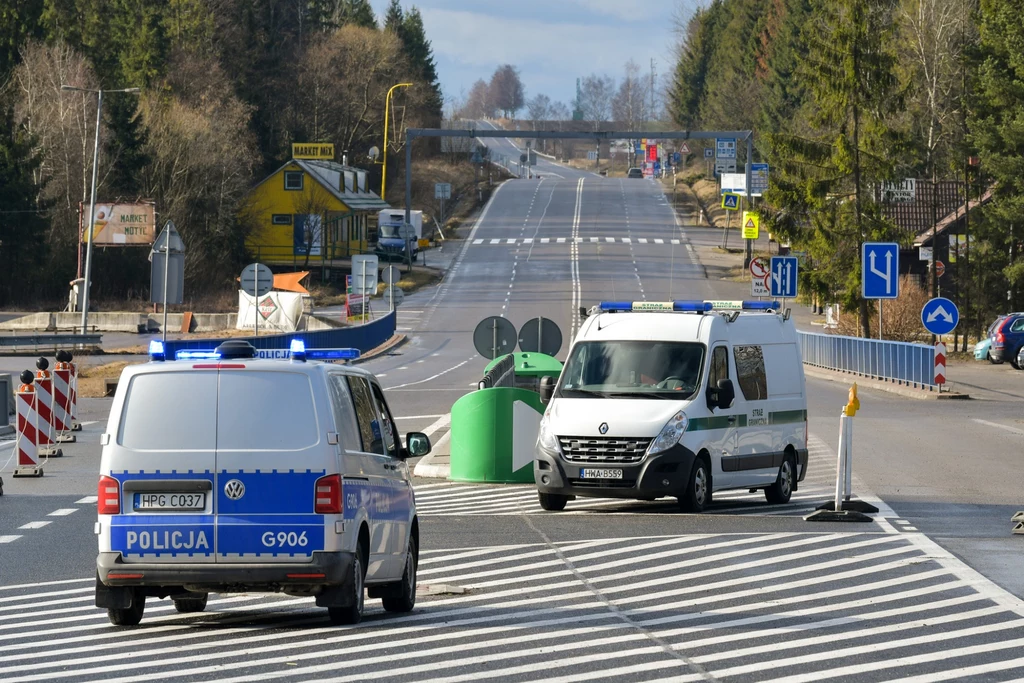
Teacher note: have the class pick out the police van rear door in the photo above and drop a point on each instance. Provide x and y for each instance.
(163, 458)
(270, 458)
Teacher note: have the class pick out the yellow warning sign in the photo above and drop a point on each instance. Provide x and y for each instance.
(751, 225)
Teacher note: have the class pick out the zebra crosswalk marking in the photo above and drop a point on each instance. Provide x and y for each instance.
(796, 606)
(578, 240)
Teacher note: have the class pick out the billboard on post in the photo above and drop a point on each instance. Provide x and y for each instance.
(119, 225)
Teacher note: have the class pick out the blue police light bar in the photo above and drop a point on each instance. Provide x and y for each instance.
(744, 305)
(197, 355)
(642, 306)
(297, 349)
(332, 354)
(156, 350)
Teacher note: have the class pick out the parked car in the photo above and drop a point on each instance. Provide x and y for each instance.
(1007, 335)
(981, 349)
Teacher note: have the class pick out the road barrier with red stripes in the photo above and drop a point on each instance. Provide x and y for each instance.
(27, 444)
(940, 363)
(44, 411)
(62, 400)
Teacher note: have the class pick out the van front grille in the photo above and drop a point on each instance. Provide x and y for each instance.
(603, 449)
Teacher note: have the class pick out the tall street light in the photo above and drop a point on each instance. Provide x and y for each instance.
(92, 200)
(387, 111)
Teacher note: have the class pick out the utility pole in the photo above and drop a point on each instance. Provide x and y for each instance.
(652, 88)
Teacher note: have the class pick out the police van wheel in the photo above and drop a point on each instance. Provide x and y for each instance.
(190, 605)
(698, 490)
(352, 614)
(552, 502)
(404, 597)
(129, 616)
(781, 491)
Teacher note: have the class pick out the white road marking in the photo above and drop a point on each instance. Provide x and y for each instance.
(432, 377)
(642, 240)
(63, 512)
(561, 240)
(593, 240)
(478, 241)
(34, 525)
(545, 240)
(495, 241)
(1007, 428)
(658, 240)
(8, 539)
(510, 241)
(92, 499)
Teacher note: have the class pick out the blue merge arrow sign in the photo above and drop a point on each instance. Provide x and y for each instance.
(940, 316)
(880, 270)
(784, 276)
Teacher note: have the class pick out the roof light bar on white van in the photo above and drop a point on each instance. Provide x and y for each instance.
(745, 305)
(648, 306)
(299, 352)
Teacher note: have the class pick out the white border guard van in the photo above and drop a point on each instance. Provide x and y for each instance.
(680, 399)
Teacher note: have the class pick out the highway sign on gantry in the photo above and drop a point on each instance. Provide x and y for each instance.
(880, 270)
(784, 276)
(940, 316)
(725, 148)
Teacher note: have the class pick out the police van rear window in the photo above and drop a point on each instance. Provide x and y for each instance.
(252, 411)
(170, 411)
(266, 411)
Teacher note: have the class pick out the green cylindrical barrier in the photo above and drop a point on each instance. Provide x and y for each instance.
(494, 432)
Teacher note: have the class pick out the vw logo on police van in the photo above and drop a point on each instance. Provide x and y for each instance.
(234, 489)
(603, 428)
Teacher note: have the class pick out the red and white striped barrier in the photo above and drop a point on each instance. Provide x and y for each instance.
(62, 401)
(73, 410)
(27, 444)
(44, 411)
(940, 364)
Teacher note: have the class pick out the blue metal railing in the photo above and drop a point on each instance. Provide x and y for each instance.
(912, 364)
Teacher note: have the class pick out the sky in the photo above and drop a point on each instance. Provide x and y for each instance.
(552, 42)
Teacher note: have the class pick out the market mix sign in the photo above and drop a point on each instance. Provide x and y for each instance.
(121, 224)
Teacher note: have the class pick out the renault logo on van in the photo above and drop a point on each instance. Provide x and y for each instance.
(603, 428)
(234, 489)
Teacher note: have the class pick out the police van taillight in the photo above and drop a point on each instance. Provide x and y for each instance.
(108, 500)
(328, 495)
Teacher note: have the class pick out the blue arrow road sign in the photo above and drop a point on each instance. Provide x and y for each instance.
(783, 280)
(880, 270)
(940, 316)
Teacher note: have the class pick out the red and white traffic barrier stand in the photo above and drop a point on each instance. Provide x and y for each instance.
(73, 410)
(62, 399)
(940, 364)
(27, 444)
(44, 411)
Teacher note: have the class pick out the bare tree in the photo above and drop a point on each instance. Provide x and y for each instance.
(630, 105)
(506, 90)
(596, 94)
(560, 112)
(539, 107)
(478, 102)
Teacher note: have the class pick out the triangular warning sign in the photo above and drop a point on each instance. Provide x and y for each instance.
(750, 223)
(683, 149)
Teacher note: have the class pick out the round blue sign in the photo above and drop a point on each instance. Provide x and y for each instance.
(940, 316)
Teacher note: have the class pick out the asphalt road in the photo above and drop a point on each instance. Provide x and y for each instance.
(608, 590)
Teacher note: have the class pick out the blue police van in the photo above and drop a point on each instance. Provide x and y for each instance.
(224, 473)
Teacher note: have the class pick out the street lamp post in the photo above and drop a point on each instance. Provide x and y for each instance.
(384, 151)
(92, 197)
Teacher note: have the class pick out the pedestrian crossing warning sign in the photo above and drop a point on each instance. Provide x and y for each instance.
(751, 225)
(730, 201)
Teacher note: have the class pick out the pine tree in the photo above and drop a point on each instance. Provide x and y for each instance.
(820, 198)
(997, 125)
(358, 12)
(20, 20)
(783, 94)
(126, 146)
(23, 225)
(421, 58)
(394, 17)
(690, 80)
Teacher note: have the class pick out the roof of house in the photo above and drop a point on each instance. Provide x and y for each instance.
(917, 215)
(328, 175)
(950, 219)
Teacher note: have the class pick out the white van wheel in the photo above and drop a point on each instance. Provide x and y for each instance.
(403, 599)
(129, 616)
(781, 491)
(191, 605)
(352, 614)
(698, 489)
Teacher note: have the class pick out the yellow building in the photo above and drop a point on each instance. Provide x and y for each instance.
(311, 207)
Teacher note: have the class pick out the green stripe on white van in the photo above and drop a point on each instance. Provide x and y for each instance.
(699, 424)
(787, 417)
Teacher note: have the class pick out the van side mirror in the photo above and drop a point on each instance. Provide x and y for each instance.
(417, 444)
(547, 389)
(726, 393)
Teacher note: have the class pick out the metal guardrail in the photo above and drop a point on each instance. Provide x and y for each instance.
(503, 374)
(912, 364)
(41, 342)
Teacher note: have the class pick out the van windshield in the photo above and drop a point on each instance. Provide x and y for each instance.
(388, 232)
(632, 369)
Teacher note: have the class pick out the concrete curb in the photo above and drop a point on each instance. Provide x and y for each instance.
(427, 470)
(395, 342)
(883, 385)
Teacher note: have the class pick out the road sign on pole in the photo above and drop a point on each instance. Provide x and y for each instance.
(758, 179)
(730, 201)
(940, 269)
(940, 316)
(442, 190)
(725, 148)
(784, 276)
(684, 148)
(880, 270)
(751, 225)
(760, 273)
(708, 153)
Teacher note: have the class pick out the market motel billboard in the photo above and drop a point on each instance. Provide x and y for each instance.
(122, 224)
